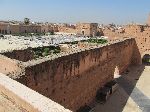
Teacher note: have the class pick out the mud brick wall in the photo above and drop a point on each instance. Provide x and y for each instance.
(141, 33)
(10, 67)
(21, 55)
(72, 80)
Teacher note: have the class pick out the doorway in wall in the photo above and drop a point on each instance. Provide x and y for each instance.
(83, 32)
(146, 59)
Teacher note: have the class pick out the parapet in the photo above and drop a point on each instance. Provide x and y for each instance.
(25, 99)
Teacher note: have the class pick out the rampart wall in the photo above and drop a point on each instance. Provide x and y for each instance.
(11, 67)
(73, 79)
(21, 55)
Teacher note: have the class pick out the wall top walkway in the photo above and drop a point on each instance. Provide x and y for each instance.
(27, 98)
(62, 54)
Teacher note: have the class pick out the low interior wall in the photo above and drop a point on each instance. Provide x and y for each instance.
(21, 55)
(11, 67)
(26, 99)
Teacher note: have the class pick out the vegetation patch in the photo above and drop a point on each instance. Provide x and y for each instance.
(45, 51)
(95, 40)
(75, 42)
(91, 40)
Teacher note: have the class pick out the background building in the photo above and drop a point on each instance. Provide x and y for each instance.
(87, 29)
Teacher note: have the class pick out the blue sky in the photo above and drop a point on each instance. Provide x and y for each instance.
(72, 11)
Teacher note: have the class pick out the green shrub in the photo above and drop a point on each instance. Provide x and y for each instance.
(56, 51)
(47, 50)
(45, 54)
(99, 41)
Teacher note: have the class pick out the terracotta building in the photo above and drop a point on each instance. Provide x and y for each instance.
(87, 29)
(4, 27)
(67, 28)
(10, 28)
(29, 28)
(84, 29)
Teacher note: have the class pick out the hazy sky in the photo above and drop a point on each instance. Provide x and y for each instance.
(72, 11)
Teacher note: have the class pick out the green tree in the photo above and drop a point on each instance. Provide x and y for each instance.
(26, 21)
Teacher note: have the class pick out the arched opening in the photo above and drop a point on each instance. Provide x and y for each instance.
(116, 73)
(44, 31)
(5, 31)
(146, 59)
(98, 33)
(83, 33)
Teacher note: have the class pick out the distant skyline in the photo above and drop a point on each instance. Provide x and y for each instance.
(73, 11)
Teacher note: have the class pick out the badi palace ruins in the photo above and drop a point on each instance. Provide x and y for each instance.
(67, 76)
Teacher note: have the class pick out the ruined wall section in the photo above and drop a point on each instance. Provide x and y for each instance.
(141, 33)
(142, 36)
(21, 55)
(73, 79)
(10, 67)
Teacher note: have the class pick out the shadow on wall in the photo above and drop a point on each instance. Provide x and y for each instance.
(136, 58)
(128, 80)
(64, 76)
(127, 83)
(127, 87)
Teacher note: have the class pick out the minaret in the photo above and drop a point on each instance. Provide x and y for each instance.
(148, 21)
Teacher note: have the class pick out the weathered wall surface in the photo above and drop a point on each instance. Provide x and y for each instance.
(73, 80)
(21, 55)
(141, 33)
(87, 29)
(10, 67)
(142, 36)
(19, 98)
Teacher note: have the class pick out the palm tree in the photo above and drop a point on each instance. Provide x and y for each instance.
(26, 21)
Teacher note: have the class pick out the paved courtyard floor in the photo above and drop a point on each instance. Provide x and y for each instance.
(133, 94)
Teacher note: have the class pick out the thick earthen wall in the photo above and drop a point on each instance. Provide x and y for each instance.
(73, 80)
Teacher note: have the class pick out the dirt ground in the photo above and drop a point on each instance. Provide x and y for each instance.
(133, 94)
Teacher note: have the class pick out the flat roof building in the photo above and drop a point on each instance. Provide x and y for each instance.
(87, 29)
